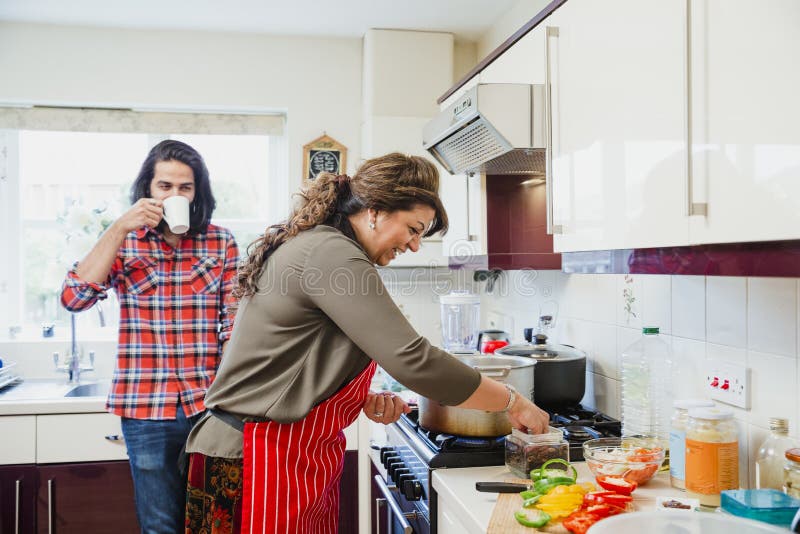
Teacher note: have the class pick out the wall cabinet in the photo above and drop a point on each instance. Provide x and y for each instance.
(523, 62)
(618, 105)
(669, 128)
(745, 112)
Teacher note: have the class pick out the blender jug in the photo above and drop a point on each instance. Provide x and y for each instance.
(461, 316)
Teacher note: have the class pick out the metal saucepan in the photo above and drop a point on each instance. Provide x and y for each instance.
(516, 371)
(560, 377)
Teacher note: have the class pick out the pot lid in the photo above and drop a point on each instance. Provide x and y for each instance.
(543, 351)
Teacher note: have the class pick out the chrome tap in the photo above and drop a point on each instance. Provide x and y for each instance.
(73, 362)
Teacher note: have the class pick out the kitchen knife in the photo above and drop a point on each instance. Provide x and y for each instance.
(501, 487)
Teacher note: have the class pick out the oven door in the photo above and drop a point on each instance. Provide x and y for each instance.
(400, 516)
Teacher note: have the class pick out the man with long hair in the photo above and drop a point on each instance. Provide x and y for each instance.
(174, 293)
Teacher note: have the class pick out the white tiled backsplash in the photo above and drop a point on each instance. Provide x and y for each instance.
(748, 321)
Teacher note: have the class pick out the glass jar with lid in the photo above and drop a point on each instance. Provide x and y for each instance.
(677, 438)
(791, 473)
(712, 454)
(525, 452)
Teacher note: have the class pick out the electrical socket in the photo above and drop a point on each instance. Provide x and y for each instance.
(500, 321)
(729, 383)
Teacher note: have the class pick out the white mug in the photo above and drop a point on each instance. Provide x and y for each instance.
(176, 213)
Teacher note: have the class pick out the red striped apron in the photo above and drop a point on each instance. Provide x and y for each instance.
(292, 471)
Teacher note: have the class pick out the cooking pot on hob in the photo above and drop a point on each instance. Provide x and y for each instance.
(560, 377)
(515, 371)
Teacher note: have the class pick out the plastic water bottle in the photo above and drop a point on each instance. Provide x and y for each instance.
(771, 455)
(647, 387)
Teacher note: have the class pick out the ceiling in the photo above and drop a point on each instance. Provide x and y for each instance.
(467, 19)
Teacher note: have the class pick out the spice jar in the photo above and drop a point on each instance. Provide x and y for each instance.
(791, 473)
(677, 439)
(525, 452)
(712, 454)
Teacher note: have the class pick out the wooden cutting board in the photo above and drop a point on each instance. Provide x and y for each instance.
(503, 522)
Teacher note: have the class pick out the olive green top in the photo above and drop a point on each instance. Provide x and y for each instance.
(320, 314)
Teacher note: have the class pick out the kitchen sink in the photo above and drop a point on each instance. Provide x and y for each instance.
(92, 389)
(49, 389)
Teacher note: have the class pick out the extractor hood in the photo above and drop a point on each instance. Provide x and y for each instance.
(496, 128)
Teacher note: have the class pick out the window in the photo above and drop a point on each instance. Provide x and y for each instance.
(60, 189)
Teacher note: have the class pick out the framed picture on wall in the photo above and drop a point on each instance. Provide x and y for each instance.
(323, 154)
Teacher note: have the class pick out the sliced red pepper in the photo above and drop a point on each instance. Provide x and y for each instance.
(607, 497)
(617, 484)
(645, 455)
(579, 522)
(603, 510)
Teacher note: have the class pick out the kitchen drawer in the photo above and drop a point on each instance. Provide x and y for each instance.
(18, 445)
(79, 438)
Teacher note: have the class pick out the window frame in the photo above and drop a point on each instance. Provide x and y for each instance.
(12, 287)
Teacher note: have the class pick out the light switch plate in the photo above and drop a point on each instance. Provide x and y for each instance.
(729, 383)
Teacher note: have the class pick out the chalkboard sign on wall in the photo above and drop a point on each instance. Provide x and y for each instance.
(324, 154)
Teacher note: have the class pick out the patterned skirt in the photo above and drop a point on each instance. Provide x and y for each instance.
(214, 495)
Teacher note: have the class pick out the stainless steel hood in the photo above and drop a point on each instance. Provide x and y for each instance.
(497, 128)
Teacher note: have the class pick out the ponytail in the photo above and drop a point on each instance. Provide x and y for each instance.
(393, 182)
(318, 203)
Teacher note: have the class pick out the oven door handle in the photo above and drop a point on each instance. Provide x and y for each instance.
(395, 510)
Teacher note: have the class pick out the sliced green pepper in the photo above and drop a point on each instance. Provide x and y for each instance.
(530, 501)
(567, 466)
(532, 518)
(527, 494)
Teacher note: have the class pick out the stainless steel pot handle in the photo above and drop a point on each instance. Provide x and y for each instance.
(493, 371)
(394, 509)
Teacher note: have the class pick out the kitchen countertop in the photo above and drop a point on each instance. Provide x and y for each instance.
(475, 508)
(39, 397)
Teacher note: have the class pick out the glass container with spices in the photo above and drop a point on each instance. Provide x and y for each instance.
(771, 455)
(677, 439)
(712, 454)
(525, 452)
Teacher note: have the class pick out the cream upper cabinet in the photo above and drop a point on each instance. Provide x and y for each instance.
(617, 72)
(522, 63)
(745, 116)
(464, 199)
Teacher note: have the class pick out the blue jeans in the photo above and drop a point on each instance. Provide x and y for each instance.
(154, 448)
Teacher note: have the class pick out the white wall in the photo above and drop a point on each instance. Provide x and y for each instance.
(317, 81)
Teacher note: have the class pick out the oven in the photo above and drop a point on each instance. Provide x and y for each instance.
(406, 502)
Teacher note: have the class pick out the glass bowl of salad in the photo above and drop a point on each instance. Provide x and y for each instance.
(634, 459)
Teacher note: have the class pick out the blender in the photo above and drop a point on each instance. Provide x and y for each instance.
(461, 315)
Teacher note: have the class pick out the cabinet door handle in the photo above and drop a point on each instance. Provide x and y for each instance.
(114, 437)
(50, 506)
(394, 510)
(551, 31)
(692, 207)
(16, 506)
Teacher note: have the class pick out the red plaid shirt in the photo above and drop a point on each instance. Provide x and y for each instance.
(173, 318)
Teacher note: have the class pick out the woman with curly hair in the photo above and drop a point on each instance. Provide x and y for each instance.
(313, 322)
